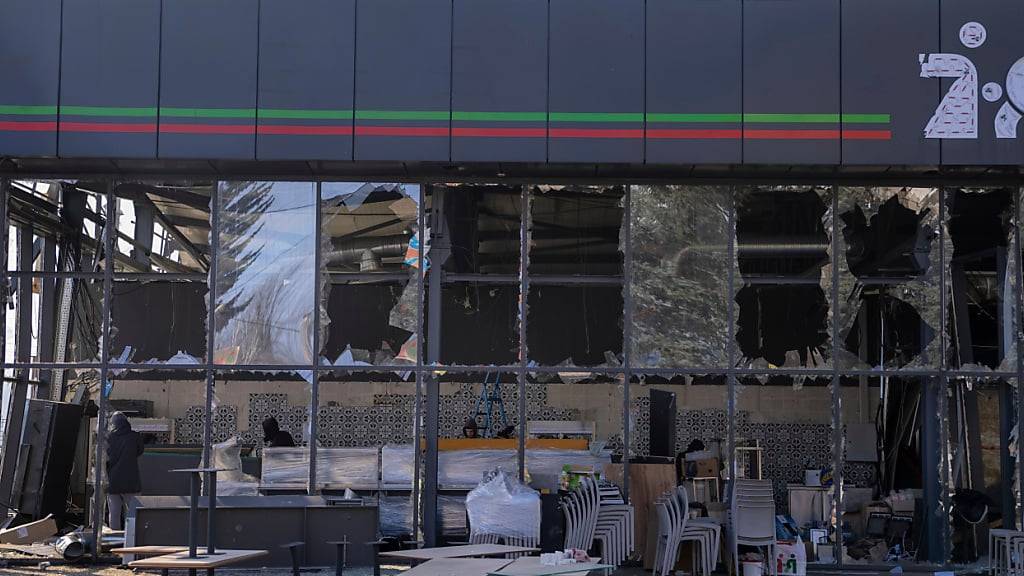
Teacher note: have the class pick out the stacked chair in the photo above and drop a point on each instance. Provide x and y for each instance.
(675, 527)
(1004, 552)
(752, 519)
(588, 520)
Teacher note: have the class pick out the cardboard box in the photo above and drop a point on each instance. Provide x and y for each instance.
(707, 468)
(30, 533)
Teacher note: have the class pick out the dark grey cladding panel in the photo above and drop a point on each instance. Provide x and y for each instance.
(30, 66)
(208, 61)
(597, 63)
(694, 67)
(403, 64)
(306, 64)
(791, 66)
(499, 65)
(110, 59)
(882, 76)
(999, 65)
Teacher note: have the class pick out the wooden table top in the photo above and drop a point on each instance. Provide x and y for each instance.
(531, 566)
(467, 551)
(149, 550)
(458, 567)
(180, 560)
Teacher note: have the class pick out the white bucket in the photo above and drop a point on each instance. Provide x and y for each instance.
(752, 568)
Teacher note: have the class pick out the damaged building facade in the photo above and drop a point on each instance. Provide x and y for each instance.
(435, 237)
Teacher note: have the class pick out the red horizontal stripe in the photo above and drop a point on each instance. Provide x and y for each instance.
(281, 129)
(791, 134)
(28, 126)
(107, 127)
(867, 134)
(733, 134)
(400, 131)
(595, 133)
(207, 128)
(501, 132)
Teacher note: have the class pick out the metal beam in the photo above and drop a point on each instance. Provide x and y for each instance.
(440, 248)
(143, 245)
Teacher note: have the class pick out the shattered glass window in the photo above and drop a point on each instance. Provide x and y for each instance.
(574, 325)
(576, 231)
(65, 220)
(783, 281)
(679, 284)
(479, 324)
(370, 254)
(979, 230)
(482, 223)
(172, 330)
(265, 284)
(889, 274)
(163, 227)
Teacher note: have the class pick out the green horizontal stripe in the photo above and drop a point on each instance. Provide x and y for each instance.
(816, 118)
(500, 116)
(866, 118)
(28, 110)
(285, 114)
(106, 111)
(402, 115)
(597, 117)
(693, 117)
(208, 112)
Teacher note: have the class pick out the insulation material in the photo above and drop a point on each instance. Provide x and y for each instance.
(545, 466)
(466, 468)
(502, 506)
(398, 465)
(889, 277)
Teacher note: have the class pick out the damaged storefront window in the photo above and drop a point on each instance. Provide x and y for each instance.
(889, 270)
(979, 231)
(266, 275)
(782, 289)
(679, 284)
(163, 227)
(370, 245)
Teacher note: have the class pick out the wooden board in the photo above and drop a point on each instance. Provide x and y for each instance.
(531, 566)
(458, 567)
(149, 550)
(458, 551)
(180, 560)
(647, 482)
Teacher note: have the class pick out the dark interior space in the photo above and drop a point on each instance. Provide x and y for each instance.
(781, 233)
(576, 231)
(359, 316)
(887, 330)
(479, 324)
(775, 319)
(894, 243)
(175, 319)
(979, 226)
(483, 226)
(581, 324)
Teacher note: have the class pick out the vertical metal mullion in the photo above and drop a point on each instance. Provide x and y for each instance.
(109, 230)
(439, 248)
(838, 456)
(211, 320)
(943, 381)
(4, 293)
(418, 405)
(19, 386)
(314, 396)
(731, 370)
(627, 333)
(1019, 333)
(524, 291)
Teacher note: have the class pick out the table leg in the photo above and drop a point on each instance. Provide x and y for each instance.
(193, 517)
(211, 509)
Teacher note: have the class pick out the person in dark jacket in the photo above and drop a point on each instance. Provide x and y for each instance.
(124, 446)
(274, 437)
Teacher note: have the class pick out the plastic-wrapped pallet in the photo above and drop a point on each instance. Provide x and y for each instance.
(466, 468)
(395, 515)
(285, 468)
(227, 456)
(503, 506)
(397, 464)
(355, 468)
(545, 466)
(453, 514)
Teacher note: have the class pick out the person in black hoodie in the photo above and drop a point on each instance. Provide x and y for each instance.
(274, 437)
(124, 446)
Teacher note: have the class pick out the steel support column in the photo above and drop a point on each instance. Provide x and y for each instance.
(931, 442)
(439, 250)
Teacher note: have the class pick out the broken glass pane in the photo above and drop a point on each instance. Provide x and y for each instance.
(158, 322)
(163, 227)
(889, 277)
(370, 230)
(576, 231)
(979, 232)
(483, 228)
(479, 324)
(574, 325)
(65, 220)
(783, 290)
(265, 282)
(679, 284)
